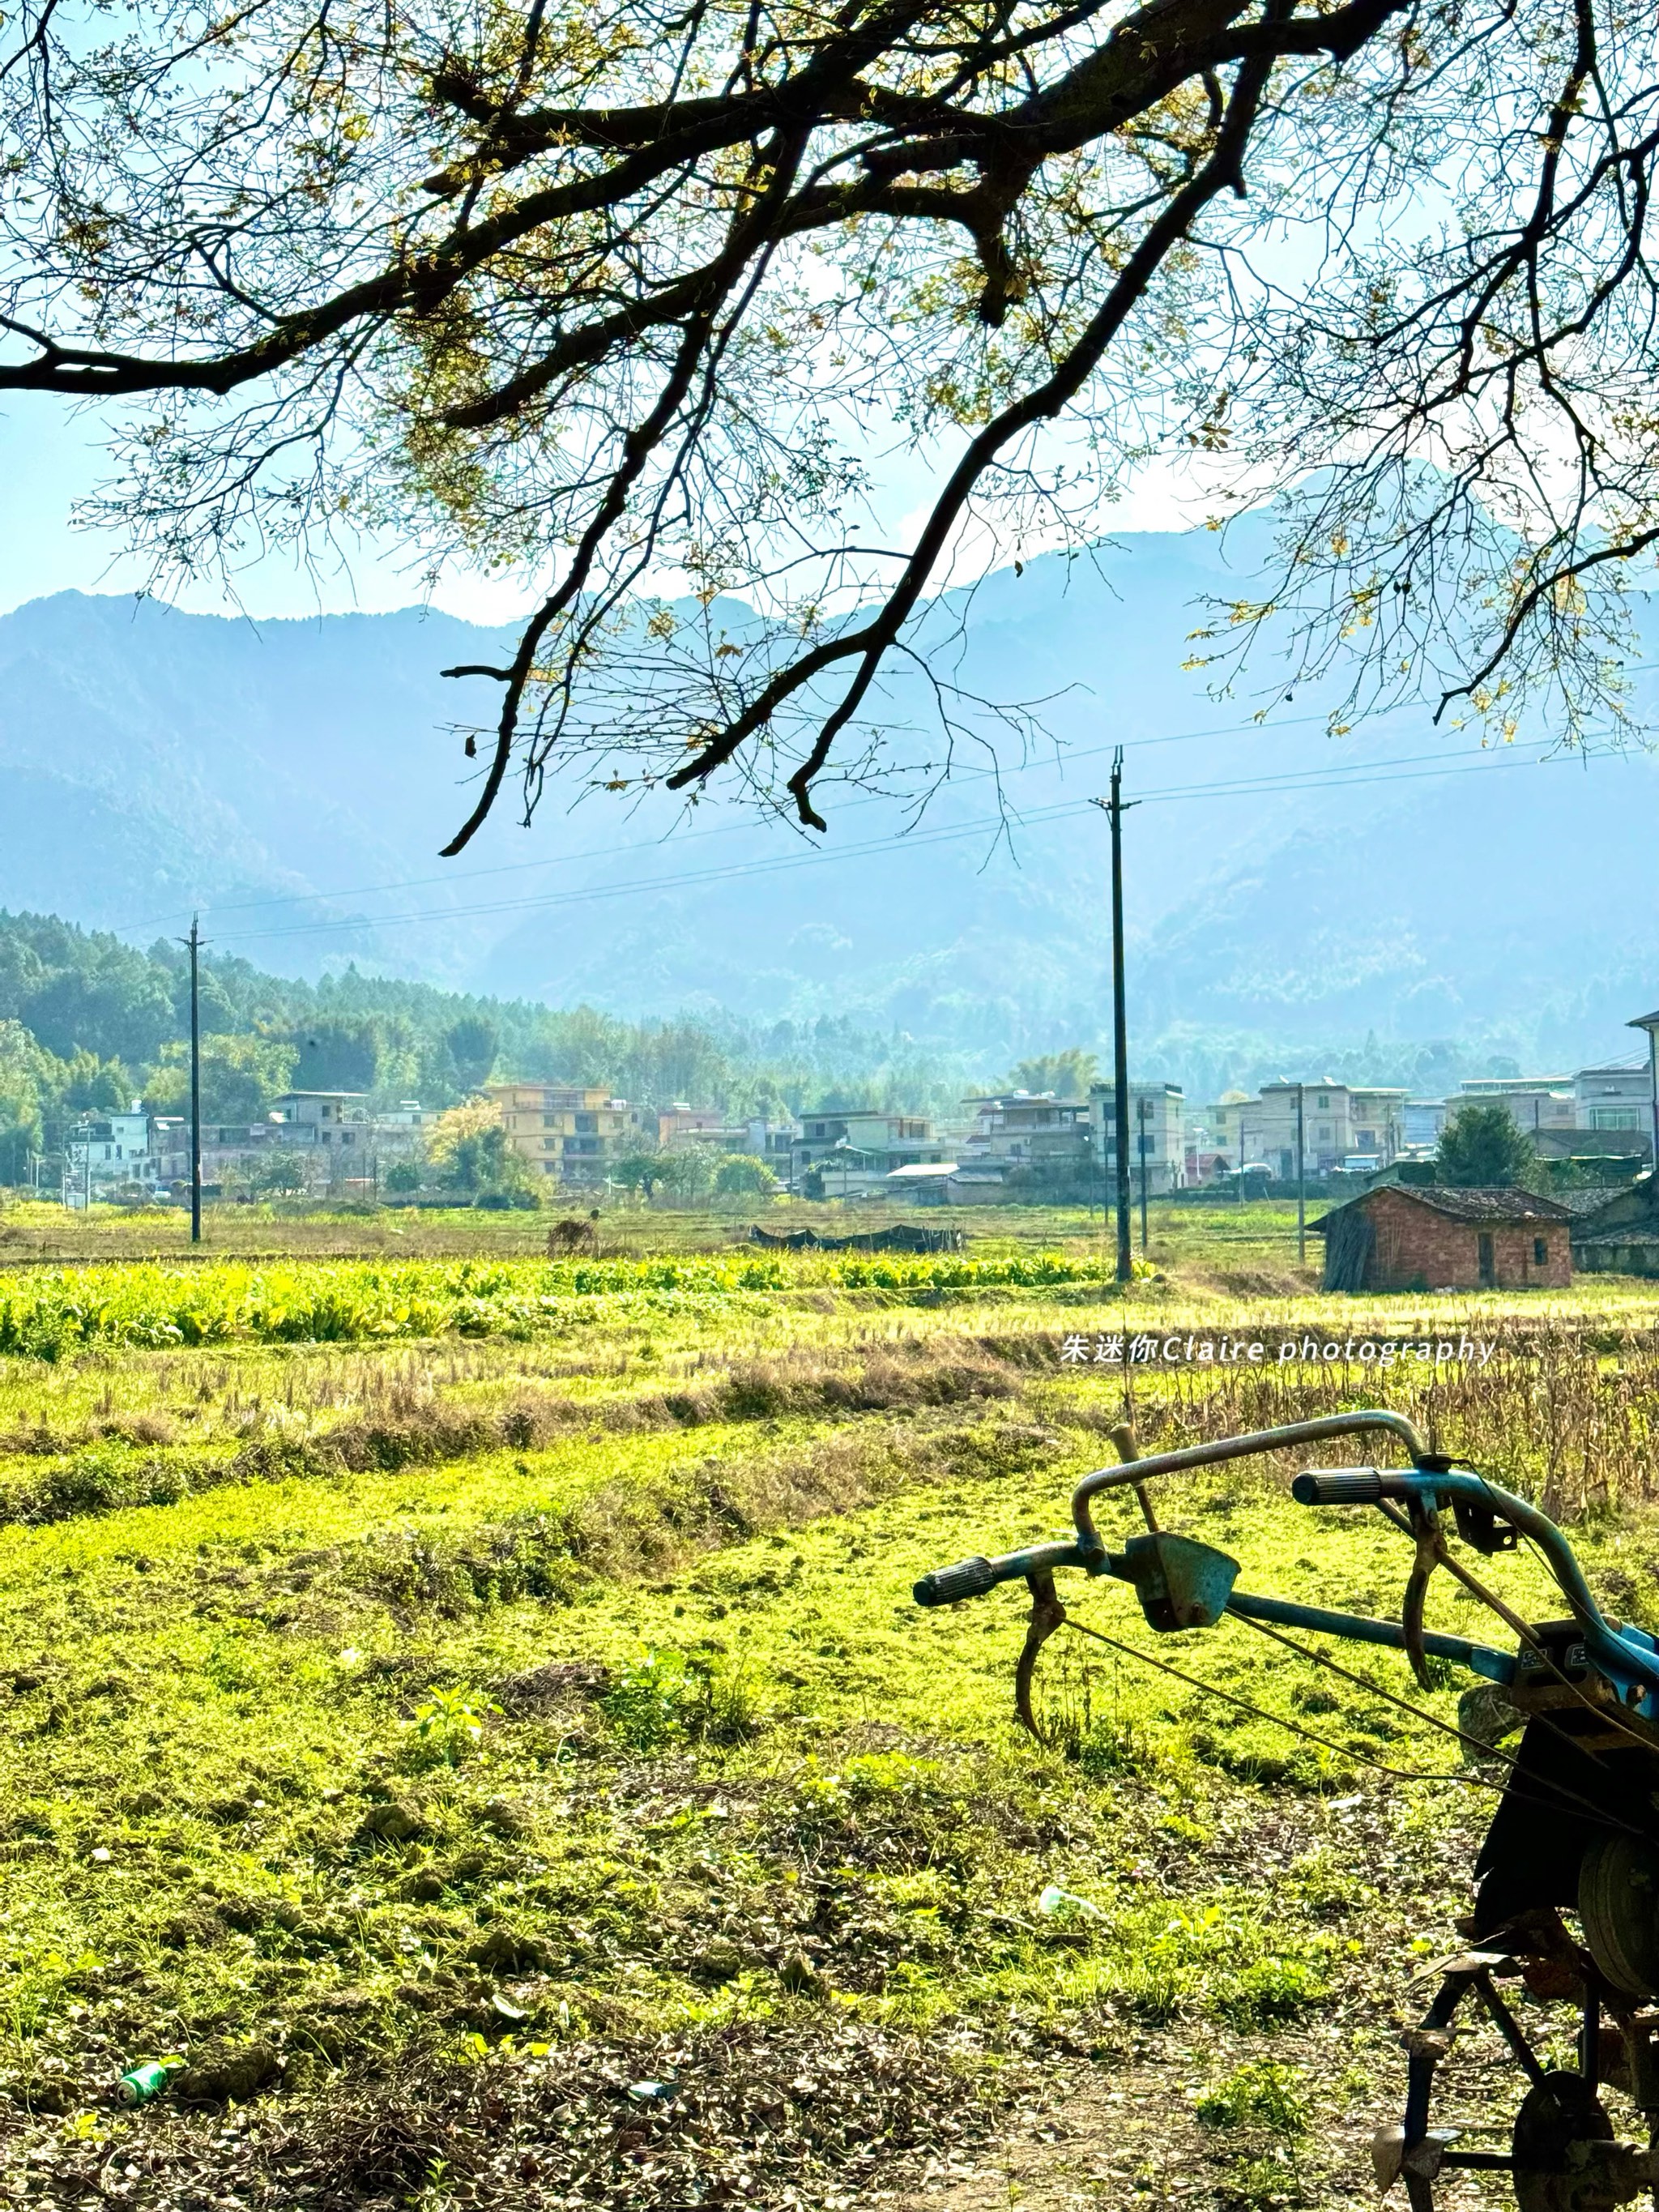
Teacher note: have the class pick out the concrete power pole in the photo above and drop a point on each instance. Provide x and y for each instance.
(1301, 1179)
(1114, 808)
(194, 941)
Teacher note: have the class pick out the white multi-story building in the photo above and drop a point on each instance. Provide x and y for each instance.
(1158, 1113)
(1342, 1125)
(105, 1151)
(855, 1150)
(1616, 1097)
(1535, 1103)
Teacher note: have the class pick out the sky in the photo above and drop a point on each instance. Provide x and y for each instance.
(51, 457)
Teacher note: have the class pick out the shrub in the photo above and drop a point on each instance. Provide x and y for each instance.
(1264, 2095)
(740, 1175)
(649, 1704)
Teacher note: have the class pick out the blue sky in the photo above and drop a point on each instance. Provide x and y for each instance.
(50, 457)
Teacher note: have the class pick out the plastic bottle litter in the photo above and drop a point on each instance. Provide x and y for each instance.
(1057, 1903)
(142, 2083)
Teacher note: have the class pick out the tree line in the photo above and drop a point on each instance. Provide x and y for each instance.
(89, 1023)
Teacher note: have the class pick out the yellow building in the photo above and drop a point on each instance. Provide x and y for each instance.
(571, 1131)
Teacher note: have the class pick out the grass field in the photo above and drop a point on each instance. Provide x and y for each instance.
(500, 1759)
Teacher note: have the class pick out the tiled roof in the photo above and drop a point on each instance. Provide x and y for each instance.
(1475, 1205)
(1581, 1204)
(1633, 1232)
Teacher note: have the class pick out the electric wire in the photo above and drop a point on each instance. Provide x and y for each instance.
(726, 828)
(1360, 776)
(1560, 1789)
(1277, 1720)
(1506, 1789)
(1253, 728)
(1318, 1658)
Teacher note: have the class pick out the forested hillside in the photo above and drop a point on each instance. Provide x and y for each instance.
(1389, 900)
(88, 1021)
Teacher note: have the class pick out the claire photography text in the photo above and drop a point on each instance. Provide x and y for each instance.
(1146, 1350)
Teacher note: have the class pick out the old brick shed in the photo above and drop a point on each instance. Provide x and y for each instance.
(1431, 1238)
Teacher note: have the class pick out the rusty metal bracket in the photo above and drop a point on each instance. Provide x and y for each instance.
(1431, 1555)
(1047, 1614)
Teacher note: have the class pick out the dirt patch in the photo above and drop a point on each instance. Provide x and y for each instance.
(809, 2111)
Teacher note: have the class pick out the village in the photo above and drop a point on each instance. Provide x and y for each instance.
(1369, 1154)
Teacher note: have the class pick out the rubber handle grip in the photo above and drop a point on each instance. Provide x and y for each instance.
(968, 1578)
(1361, 1485)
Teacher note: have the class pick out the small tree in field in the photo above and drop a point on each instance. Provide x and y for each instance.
(1483, 1146)
(641, 1171)
(740, 1175)
(689, 1175)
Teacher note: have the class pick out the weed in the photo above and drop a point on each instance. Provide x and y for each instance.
(1265, 2095)
(1261, 2184)
(1270, 1991)
(648, 1702)
(448, 1727)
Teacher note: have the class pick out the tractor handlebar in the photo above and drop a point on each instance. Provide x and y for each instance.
(1339, 1486)
(973, 1578)
(968, 1578)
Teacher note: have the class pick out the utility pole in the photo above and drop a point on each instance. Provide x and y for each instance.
(1301, 1179)
(1143, 1106)
(194, 941)
(1114, 808)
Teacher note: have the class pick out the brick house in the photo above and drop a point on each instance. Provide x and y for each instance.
(1429, 1236)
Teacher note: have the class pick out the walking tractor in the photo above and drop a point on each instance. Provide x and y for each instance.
(1576, 1831)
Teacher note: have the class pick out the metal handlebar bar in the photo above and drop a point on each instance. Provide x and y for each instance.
(1426, 1487)
(1262, 1440)
(973, 1578)
(1429, 1489)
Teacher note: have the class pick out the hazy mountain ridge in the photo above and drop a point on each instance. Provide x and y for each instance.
(149, 759)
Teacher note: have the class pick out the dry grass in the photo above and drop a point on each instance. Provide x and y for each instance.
(1565, 1415)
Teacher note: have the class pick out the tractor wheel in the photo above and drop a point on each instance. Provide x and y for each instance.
(1556, 2115)
(1619, 1906)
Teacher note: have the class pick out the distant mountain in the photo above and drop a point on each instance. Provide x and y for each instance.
(1379, 909)
(151, 760)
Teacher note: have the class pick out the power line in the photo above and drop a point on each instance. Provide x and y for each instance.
(718, 829)
(1253, 728)
(1357, 776)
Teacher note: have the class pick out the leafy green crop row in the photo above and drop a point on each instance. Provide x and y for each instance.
(46, 1316)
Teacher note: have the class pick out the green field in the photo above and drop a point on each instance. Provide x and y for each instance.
(494, 1748)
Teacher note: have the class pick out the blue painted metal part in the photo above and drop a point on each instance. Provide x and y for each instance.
(1180, 1583)
(1358, 1628)
(1626, 1657)
(1200, 1589)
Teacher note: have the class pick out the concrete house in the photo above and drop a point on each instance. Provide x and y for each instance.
(104, 1151)
(1429, 1237)
(1536, 1104)
(1342, 1125)
(1030, 1129)
(856, 1150)
(1159, 1110)
(573, 1131)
